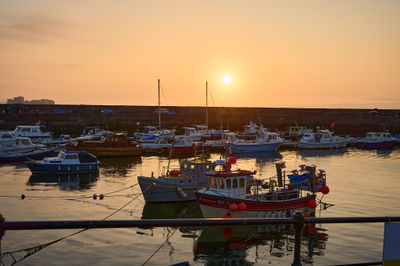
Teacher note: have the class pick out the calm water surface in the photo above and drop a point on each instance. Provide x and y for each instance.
(362, 183)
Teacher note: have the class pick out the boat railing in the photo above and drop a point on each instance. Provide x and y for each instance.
(298, 220)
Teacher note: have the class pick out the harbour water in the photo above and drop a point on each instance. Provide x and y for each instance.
(361, 182)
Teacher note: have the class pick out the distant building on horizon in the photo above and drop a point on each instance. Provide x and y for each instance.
(21, 100)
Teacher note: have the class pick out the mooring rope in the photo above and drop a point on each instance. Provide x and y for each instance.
(33, 250)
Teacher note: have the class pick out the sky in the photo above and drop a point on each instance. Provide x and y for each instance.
(254, 53)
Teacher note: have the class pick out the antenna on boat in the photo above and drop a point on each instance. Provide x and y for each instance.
(207, 104)
(159, 111)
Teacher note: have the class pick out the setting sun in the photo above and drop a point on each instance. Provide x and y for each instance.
(227, 79)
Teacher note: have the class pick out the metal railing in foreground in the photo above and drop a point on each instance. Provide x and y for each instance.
(298, 221)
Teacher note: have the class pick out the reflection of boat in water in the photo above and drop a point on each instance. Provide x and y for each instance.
(322, 153)
(66, 181)
(260, 156)
(171, 210)
(226, 245)
(120, 166)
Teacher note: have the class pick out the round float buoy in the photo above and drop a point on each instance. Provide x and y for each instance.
(101, 196)
(232, 160)
(233, 207)
(94, 196)
(242, 206)
(312, 204)
(22, 196)
(325, 190)
(228, 233)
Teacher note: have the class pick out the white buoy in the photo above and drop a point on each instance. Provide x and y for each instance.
(181, 192)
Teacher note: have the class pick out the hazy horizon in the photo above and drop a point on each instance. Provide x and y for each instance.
(303, 54)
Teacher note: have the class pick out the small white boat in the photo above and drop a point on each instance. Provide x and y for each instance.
(322, 139)
(265, 141)
(149, 134)
(37, 133)
(93, 133)
(66, 162)
(19, 149)
(377, 140)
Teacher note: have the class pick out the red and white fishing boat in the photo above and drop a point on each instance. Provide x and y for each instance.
(235, 193)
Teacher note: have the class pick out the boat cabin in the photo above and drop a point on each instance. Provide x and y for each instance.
(378, 135)
(227, 182)
(34, 132)
(71, 157)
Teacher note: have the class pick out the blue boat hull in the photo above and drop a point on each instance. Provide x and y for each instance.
(41, 168)
(255, 148)
(378, 145)
(22, 157)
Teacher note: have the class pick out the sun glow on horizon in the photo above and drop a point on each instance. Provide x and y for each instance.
(227, 79)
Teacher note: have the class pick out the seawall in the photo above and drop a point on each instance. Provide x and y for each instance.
(71, 119)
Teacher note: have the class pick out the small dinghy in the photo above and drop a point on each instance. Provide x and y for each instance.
(67, 162)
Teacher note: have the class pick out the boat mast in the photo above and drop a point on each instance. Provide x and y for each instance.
(159, 110)
(207, 104)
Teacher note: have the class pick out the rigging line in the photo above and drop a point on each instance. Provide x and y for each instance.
(40, 247)
(212, 98)
(163, 93)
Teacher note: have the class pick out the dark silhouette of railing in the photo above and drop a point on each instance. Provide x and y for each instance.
(298, 221)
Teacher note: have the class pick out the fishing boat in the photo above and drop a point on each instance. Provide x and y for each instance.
(68, 162)
(321, 139)
(264, 141)
(176, 184)
(116, 145)
(20, 149)
(237, 194)
(93, 133)
(377, 140)
(37, 133)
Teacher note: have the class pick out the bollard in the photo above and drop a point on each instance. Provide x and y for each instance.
(297, 241)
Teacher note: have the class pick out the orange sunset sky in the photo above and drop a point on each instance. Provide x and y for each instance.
(276, 53)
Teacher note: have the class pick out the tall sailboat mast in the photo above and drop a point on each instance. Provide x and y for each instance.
(207, 103)
(159, 108)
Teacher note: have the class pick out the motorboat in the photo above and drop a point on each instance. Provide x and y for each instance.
(236, 193)
(149, 134)
(176, 184)
(115, 145)
(295, 132)
(67, 162)
(264, 141)
(321, 139)
(377, 140)
(37, 133)
(19, 149)
(93, 133)
(185, 145)
(190, 134)
(157, 146)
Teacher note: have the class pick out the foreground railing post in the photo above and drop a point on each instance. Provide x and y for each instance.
(2, 229)
(297, 240)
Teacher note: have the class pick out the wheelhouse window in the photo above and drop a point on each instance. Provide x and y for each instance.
(241, 182)
(191, 167)
(228, 183)
(221, 183)
(235, 183)
(71, 156)
(212, 182)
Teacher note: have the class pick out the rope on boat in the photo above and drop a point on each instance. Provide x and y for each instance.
(33, 250)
